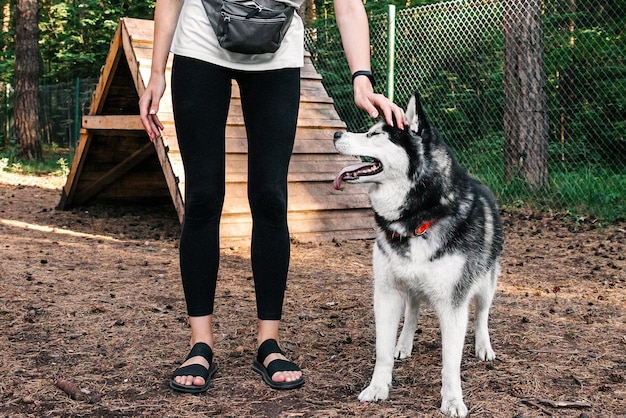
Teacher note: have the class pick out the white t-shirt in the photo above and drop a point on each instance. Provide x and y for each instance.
(195, 38)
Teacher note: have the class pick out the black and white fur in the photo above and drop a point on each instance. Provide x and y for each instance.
(438, 241)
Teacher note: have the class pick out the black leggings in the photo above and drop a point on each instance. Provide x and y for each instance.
(270, 100)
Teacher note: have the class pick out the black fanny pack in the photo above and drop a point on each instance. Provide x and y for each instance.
(249, 26)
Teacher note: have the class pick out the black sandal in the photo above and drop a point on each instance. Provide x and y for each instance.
(202, 350)
(279, 365)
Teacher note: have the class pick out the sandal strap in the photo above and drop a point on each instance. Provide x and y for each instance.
(280, 365)
(266, 348)
(203, 350)
(192, 370)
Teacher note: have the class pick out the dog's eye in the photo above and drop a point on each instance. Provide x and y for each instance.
(371, 134)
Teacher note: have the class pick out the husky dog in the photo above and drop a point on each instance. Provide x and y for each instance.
(438, 241)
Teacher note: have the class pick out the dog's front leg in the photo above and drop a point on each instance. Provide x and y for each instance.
(388, 306)
(453, 323)
(404, 347)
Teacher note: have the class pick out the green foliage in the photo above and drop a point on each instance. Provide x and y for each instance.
(56, 162)
(593, 191)
(452, 54)
(330, 62)
(7, 57)
(586, 74)
(75, 35)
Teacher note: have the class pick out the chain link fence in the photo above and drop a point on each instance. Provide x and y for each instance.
(62, 106)
(531, 95)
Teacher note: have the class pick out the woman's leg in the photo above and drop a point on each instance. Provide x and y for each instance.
(270, 102)
(200, 96)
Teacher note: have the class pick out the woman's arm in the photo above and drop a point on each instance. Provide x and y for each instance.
(355, 37)
(166, 15)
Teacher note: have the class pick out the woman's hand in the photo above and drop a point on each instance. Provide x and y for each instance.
(372, 103)
(149, 107)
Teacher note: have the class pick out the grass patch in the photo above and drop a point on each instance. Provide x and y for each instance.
(55, 161)
(596, 192)
(585, 192)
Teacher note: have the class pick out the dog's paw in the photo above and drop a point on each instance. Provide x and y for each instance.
(454, 408)
(485, 353)
(374, 393)
(403, 351)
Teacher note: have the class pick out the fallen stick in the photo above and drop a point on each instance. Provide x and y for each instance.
(539, 407)
(565, 404)
(75, 393)
(332, 306)
(555, 352)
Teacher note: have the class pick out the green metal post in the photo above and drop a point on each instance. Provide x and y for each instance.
(77, 115)
(391, 43)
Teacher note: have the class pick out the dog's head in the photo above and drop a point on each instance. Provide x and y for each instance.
(388, 153)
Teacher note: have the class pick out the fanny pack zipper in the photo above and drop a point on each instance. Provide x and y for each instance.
(228, 17)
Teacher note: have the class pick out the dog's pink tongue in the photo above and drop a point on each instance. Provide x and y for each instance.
(346, 170)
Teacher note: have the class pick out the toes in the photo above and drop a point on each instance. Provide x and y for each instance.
(192, 380)
(189, 380)
(198, 381)
(280, 377)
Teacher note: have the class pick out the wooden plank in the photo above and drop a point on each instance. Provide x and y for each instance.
(133, 64)
(347, 235)
(302, 133)
(303, 196)
(176, 162)
(235, 229)
(108, 122)
(78, 162)
(306, 96)
(240, 145)
(139, 30)
(302, 122)
(324, 113)
(331, 221)
(234, 242)
(106, 75)
(303, 167)
(143, 54)
(308, 140)
(171, 179)
(325, 220)
(115, 173)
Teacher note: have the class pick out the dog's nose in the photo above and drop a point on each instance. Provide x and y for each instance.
(337, 135)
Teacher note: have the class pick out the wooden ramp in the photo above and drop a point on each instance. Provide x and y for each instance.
(116, 162)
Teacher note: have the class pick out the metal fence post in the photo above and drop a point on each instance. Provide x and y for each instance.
(391, 42)
(6, 126)
(77, 115)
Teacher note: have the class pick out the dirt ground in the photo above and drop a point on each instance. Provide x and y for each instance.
(92, 298)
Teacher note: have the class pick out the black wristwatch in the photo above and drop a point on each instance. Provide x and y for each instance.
(366, 73)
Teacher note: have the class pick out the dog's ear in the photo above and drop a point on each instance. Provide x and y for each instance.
(415, 115)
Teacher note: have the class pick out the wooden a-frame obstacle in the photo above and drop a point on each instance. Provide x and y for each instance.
(116, 162)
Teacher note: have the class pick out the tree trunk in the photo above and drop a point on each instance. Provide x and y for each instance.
(26, 105)
(525, 113)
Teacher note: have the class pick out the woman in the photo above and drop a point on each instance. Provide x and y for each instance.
(269, 84)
